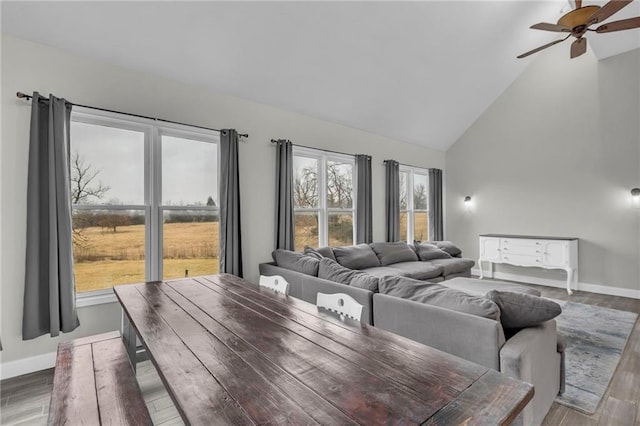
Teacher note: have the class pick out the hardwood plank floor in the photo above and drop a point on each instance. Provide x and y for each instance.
(25, 400)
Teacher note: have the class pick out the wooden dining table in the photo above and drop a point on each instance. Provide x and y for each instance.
(230, 352)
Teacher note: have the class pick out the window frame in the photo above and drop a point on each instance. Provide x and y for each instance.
(322, 210)
(153, 208)
(411, 210)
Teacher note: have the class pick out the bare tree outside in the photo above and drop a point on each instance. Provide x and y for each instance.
(84, 187)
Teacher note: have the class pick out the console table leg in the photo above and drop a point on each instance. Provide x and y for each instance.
(569, 280)
(481, 271)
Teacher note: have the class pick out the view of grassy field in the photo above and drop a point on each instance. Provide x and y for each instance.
(104, 258)
(421, 230)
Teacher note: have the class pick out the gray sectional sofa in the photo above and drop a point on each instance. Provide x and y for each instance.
(458, 320)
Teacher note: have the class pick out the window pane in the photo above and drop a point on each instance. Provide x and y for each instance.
(419, 192)
(421, 227)
(339, 185)
(189, 172)
(108, 248)
(189, 243)
(107, 165)
(403, 226)
(306, 230)
(403, 190)
(340, 229)
(305, 182)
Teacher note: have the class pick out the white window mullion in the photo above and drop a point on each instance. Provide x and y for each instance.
(154, 162)
(323, 217)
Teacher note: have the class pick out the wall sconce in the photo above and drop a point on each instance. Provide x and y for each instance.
(467, 202)
(635, 196)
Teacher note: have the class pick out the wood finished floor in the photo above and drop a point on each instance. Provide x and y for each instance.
(25, 400)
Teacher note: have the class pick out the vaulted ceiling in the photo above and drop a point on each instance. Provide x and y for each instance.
(419, 72)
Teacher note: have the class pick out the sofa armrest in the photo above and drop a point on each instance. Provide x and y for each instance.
(468, 336)
(531, 355)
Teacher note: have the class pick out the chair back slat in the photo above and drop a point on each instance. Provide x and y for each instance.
(340, 303)
(275, 283)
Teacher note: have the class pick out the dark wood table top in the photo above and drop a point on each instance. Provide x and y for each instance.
(230, 352)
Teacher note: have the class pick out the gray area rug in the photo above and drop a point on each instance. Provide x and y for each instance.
(596, 338)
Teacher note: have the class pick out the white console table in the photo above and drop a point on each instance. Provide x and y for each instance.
(523, 250)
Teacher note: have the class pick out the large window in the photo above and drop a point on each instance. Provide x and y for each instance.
(323, 198)
(144, 200)
(414, 217)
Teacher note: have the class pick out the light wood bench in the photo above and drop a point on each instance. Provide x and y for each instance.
(94, 384)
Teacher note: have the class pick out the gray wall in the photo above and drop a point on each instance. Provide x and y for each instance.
(556, 154)
(27, 66)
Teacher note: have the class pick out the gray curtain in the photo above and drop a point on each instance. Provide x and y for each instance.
(364, 222)
(230, 239)
(49, 288)
(284, 195)
(436, 225)
(392, 199)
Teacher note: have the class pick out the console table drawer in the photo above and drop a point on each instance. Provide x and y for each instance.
(531, 250)
(521, 260)
(518, 242)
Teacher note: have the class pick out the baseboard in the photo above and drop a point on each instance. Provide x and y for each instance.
(27, 365)
(593, 288)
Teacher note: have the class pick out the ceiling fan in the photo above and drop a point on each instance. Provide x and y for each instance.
(577, 22)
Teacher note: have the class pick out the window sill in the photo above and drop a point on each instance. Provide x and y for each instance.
(95, 298)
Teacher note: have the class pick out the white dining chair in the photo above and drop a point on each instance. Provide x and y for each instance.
(275, 283)
(340, 303)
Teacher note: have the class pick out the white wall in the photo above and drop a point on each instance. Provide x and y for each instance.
(27, 67)
(557, 154)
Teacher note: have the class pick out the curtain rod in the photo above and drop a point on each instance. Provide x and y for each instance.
(317, 149)
(22, 95)
(409, 165)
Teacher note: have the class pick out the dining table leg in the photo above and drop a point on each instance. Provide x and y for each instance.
(130, 340)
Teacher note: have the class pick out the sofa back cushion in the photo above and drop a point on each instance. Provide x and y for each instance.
(333, 271)
(428, 251)
(390, 253)
(438, 295)
(519, 310)
(356, 257)
(296, 262)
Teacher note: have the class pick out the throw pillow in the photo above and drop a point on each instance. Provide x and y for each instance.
(390, 253)
(428, 251)
(333, 271)
(356, 257)
(449, 247)
(438, 295)
(326, 252)
(296, 261)
(310, 251)
(519, 310)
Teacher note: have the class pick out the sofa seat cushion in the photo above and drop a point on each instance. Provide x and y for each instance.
(383, 271)
(418, 270)
(438, 295)
(360, 256)
(296, 261)
(481, 287)
(454, 265)
(396, 252)
(333, 271)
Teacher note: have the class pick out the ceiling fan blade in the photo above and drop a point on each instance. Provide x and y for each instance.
(545, 26)
(623, 24)
(578, 47)
(536, 50)
(607, 10)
